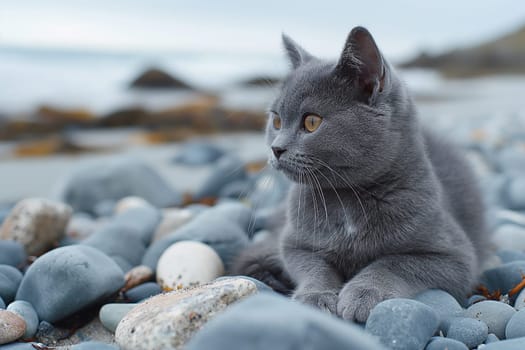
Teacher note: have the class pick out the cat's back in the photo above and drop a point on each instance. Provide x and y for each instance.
(461, 193)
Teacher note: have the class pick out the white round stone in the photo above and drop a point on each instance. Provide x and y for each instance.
(188, 264)
(130, 202)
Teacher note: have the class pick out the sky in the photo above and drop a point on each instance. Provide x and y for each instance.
(402, 28)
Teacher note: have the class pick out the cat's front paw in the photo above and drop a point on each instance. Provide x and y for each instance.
(326, 301)
(355, 303)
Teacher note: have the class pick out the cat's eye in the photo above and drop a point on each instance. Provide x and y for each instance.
(276, 121)
(312, 122)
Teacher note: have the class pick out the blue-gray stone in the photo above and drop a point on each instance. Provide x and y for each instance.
(118, 241)
(261, 286)
(444, 305)
(503, 277)
(491, 338)
(10, 279)
(113, 180)
(94, 345)
(511, 160)
(143, 291)
(516, 325)
(105, 208)
(469, 331)
(17, 346)
(493, 313)
(520, 300)
(12, 253)
(507, 256)
(221, 227)
(111, 314)
(236, 190)
(402, 324)
(140, 220)
(513, 193)
(68, 279)
(2, 303)
(440, 343)
(198, 153)
(269, 321)
(28, 313)
(476, 298)
(511, 344)
(227, 170)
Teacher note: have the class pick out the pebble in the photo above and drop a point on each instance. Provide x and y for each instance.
(504, 277)
(104, 209)
(198, 153)
(38, 224)
(476, 298)
(440, 343)
(137, 276)
(520, 300)
(507, 256)
(94, 345)
(221, 227)
(168, 321)
(143, 291)
(269, 321)
(129, 203)
(12, 253)
(141, 220)
(81, 226)
(172, 219)
(17, 346)
(65, 280)
(28, 313)
(444, 305)
(469, 331)
(113, 180)
(12, 326)
(516, 326)
(227, 170)
(111, 314)
(10, 279)
(493, 313)
(513, 193)
(188, 264)
(402, 323)
(491, 338)
(2, 303)
(511, 344)
(509, 237)
(237, 190)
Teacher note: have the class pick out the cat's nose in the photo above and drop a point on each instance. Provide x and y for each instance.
(278, 151)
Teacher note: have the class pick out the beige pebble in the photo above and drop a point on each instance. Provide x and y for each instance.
(12, 326)
(172, 219)
(136, 276)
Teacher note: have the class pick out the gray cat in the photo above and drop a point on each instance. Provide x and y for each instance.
(379, 208)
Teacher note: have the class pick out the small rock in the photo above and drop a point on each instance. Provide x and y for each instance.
(129, 203)
(136, 276)
(168, 321)
(114, 180)
(269, 321)
(67, 279)
(493, 313)
(440, 343)
(475, 299)
(491, 338)
(17, 346)
(520, 300)
(507, 256)
(36, 223)
(236, 190)
(111, 314)
(516, 326)
(198, 153)
(444, 305)
(81, 226)
(144, 291)
(104, 209)
(172, 219)
(156, 78)
(469, 331)
(94, 345)
(509, 237)
(10, 279)
(12, 253)
(402, 323)
(513, 193)
(13, 326)
(504, 277)
(511, 344)
(144, 220)
(188, 264)
(2, 303)
(28, 313)
(228, 169)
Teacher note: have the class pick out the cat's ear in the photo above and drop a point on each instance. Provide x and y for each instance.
(361, 61)
(296, 53)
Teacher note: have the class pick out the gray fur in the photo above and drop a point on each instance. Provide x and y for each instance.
(380, 208)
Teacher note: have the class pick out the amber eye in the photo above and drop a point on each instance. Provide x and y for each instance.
(276, 120)
(312, 122)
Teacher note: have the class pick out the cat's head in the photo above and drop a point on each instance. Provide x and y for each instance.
(335, 121)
